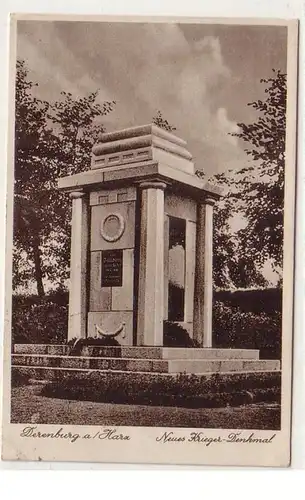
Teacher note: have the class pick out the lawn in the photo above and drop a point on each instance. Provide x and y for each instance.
(28, 405)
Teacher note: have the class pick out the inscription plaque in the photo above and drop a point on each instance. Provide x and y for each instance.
(112, 268)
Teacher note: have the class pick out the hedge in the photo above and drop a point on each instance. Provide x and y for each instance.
(193, 391)
(236, 329)
(45, 320)
(41, 321)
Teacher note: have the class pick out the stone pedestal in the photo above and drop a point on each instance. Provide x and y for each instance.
(151, 271)
(203, 300)
(78, 266)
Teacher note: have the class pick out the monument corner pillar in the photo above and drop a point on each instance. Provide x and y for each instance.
(151, 266)
(77, 323)
(203, 297)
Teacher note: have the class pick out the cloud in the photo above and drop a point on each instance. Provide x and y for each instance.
(144, 68)
(227, 126)
(52, 64)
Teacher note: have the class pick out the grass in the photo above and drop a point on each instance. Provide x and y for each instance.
(28, 405)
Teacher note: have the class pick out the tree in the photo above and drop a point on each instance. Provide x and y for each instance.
(262, 182)
(51, 140)
(254, 193)
(231, 266)
(34, 152)
(77, 122)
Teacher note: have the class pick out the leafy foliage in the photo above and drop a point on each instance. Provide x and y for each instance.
(51, 140)
(255, 195)
(176, 336)
(35, 146)
(263, 180)
(43, 322)
(162, 122)
(236, 329)
(185, 390)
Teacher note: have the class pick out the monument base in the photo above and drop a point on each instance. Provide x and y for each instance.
(163, 360)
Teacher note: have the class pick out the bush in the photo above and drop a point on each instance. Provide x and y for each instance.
(257, 301)
(19, 378)
(174, 335)
(79, 344)
(234, 328)
(43, 322)
(193, 391)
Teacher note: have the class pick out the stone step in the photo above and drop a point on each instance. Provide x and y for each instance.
(190, 353)
(86, 362)
(60, 349)
(145, 365)
(222, 366)
(141, 352)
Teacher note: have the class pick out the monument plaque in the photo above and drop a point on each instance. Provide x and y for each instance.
(112, 268)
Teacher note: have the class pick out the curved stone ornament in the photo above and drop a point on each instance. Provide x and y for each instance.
(103, 333)
(112, 227)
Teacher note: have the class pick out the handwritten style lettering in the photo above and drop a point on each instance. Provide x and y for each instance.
(31, 431)
(109, 434)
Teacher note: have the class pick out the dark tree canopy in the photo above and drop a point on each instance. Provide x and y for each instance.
(51, 140)
(255, 193)
(263, 180)
(55, 139)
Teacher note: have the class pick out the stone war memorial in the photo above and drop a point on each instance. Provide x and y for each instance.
(141, 263)
(141, 221)
(141, 198)
(150, 250)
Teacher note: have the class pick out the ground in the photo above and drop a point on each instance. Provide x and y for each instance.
(29, 406)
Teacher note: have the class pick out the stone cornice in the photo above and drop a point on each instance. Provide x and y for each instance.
(153, 184)
(74, 195)
(129, 175)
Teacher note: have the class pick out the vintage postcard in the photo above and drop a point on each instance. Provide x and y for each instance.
(150, 240)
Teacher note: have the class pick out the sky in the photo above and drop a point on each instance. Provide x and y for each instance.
(201, 77)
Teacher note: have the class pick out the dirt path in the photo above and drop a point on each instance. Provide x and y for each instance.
(28, 406)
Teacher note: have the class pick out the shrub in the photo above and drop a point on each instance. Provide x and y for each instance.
(193, 391)
(43, 322)
(266, 300)
(174, 335)
(19, 378)
(234, 328)
(78, 344)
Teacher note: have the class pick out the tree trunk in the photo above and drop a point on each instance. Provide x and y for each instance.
(38, 267)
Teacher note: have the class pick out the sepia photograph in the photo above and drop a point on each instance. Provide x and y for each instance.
(152, 178)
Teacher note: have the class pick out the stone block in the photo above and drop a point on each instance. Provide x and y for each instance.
(231, 365)
(110, 321)
(100, 363)
(142, 352)
(113, 196)
(102, 352)
(262, 365)
(139, 365)
(160, 366)
(99, 298)
(99, 212)
(122, 297)
(208, 353)
(151, 142)
(193, 366)
(18, 359)
(75, 362)
(30, 348)
(58, 350)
